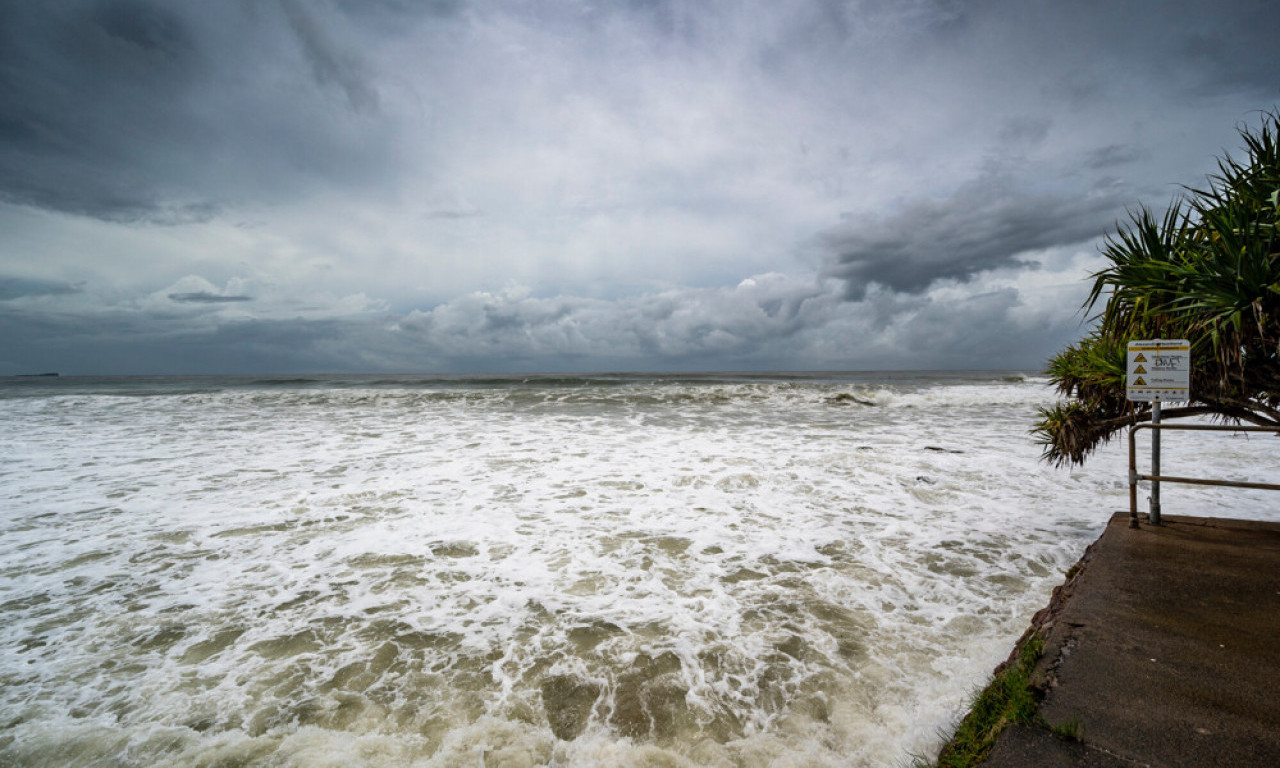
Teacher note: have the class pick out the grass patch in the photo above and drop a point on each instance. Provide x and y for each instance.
(1072, 730)
(1008, 698)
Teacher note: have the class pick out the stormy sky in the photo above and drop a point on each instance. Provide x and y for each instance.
(387, 185)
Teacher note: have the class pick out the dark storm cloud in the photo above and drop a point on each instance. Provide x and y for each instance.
(150, 29)
(1233, 43)
(74, 79)
(619, 165)
(329, 62)
(1111, 156)
(128, 342)
(204, 297)
(389, 17)
(984, 225)
(17, 287)
(137, 111)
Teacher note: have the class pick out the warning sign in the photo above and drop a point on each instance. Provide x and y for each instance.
(1159, 368)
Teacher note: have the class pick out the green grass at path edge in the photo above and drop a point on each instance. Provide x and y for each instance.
(1009, 698)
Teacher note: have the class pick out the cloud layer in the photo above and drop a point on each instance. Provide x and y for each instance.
(985, 224)
(279, 185)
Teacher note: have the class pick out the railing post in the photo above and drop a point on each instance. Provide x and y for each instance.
(1154, 517)
(1133, 479)
(1155, 477)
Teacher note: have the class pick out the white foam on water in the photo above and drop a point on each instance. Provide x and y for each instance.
(723, 574)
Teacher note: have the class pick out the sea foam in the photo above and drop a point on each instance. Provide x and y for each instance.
(624, 571)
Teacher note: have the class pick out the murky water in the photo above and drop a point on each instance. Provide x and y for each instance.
(709, 571)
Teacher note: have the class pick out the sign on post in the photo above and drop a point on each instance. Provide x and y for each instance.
(1159, 369)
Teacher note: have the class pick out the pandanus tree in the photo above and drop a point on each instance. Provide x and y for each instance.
(1208, 271)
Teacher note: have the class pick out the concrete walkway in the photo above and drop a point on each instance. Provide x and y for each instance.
(1166, 651)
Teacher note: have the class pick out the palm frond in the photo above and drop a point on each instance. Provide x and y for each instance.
(1207, 269)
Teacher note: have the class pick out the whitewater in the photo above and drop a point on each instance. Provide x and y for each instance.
(714, 570)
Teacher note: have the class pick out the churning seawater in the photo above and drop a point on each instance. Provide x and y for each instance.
(581, 571)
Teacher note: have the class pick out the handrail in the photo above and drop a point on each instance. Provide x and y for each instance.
(1134, 477)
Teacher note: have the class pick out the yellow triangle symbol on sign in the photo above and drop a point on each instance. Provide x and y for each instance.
(1138, 382)
(1140, 358)
(1139, 369)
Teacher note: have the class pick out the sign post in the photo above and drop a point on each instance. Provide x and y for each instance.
(1158, 369)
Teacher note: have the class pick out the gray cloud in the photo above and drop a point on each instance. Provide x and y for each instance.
(986, 224)
(135, 111)
(765, 322)
(1025, 130)
(17, 287)
(452, 213)
(204, 297)
(1234, 53)
(1113, 155)
(330, 63)
(148, 29)
(509, 185)
(132, 343)
(75, 77)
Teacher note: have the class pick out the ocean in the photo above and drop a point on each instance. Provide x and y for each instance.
(612, 570)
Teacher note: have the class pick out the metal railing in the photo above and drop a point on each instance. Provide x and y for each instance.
(1157, 478)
